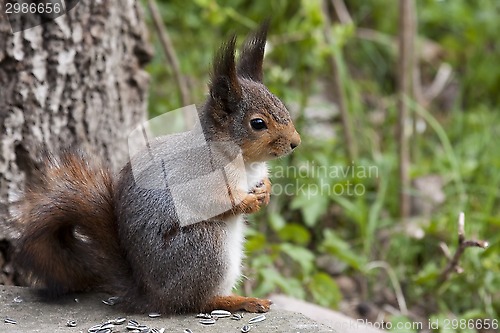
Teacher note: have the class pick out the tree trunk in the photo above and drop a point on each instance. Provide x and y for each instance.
(78, 80)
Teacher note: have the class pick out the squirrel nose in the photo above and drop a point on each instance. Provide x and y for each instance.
(295, 142)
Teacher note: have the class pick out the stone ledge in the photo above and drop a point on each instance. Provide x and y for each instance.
(35, 315)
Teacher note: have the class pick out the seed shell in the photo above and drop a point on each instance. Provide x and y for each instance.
(106, 326)
(131, 327)
(207, 321)
(236, 316)
(204, 315)
(143, 328)
(154, 315)
(246, 329)
(133, 322)
(257, 319)
(71, 323)
(104, 330)
(221, 313)
(94, 328)
(10, 321)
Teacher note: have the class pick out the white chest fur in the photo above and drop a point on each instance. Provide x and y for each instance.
(235, 229)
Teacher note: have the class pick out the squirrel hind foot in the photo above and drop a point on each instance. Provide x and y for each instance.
(234, 303)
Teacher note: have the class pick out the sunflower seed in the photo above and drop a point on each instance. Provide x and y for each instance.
(257, 319)
(246, 329)
(94, 328)
(207, 321)
(132, 322)
(71, 323)
(143, 328)
(221, 313)
(10, 321)
(204, 315)
(103, 330)
(131, 327)
(154, 315)
(119, 321)
(187, 330)
(106, 326)
(111, 301)
(236, 316)
(157, 330)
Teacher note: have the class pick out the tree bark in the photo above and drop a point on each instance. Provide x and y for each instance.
(78, 80)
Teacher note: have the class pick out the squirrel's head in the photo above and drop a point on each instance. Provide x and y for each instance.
(241, 109)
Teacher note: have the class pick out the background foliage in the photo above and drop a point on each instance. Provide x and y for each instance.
(308, 243)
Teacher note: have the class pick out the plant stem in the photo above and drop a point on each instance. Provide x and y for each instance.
(405, 71)
(351, 145)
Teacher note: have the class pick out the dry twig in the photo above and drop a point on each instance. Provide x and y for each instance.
(342, 12)
(351, 145)
(170, 53)
(453, 264)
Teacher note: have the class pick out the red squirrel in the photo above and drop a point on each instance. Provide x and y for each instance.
(85, 228)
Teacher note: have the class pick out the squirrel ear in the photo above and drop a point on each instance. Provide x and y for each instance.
(252, 54)
(224, 85)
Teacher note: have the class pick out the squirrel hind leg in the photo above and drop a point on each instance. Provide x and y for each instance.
(234, 303)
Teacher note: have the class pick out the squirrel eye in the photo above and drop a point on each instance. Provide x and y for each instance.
(258, 124)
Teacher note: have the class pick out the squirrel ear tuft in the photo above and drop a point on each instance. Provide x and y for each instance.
(224, 85)
(252, 54)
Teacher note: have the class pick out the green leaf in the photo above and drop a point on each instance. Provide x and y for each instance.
(300, 255)
(272, 280)
(255, 242)
(474, 314)
(276, 221)
(295, 233)
(429, 274)
(311, 204)
(341, 249)
(325, 291)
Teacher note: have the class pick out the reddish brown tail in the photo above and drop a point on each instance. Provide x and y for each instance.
(70, 240)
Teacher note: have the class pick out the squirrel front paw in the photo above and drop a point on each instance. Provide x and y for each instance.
(263, 192)
(250, 204)
(257, 198)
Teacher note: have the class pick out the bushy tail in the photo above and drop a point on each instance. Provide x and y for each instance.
(70, 240)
